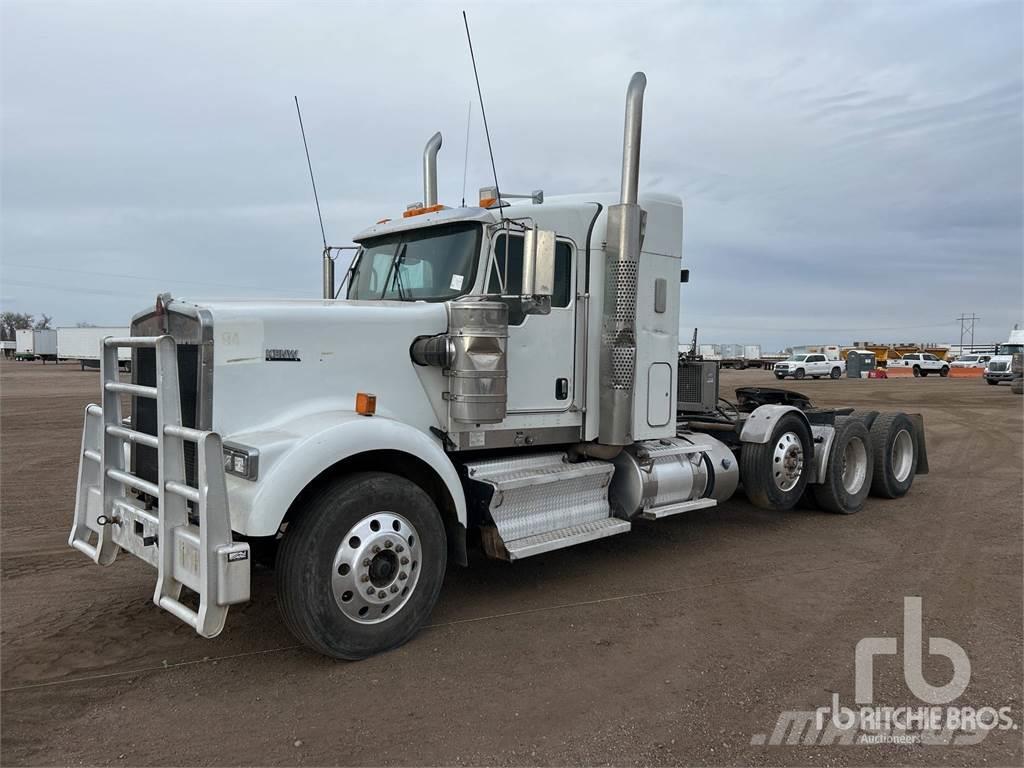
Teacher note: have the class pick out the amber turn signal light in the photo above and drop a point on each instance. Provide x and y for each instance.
(366, 404)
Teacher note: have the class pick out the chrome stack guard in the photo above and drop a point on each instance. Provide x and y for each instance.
(199, 555)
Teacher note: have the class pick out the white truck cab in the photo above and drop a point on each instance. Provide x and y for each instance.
(499, 376)
(814, 365)
(999, 366)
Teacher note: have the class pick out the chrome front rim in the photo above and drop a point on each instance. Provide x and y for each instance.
(787, 461)
(855, 465)
(902, 455)
(376, 568)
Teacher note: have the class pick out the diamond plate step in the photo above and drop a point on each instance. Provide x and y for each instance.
(542, 502)
(565, 537)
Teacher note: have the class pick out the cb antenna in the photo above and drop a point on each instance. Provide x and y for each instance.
(483, 113)
(309, 164)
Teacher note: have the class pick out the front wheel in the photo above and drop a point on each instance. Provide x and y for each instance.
(944, 372)
(360, 569)
(992, 381)
(799, 373)
(836, 373)
(774, 474)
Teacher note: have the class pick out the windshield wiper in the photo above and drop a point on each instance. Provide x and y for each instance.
(396, 268)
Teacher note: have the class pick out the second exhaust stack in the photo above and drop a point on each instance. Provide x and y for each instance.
(622, 263)
(430, 170)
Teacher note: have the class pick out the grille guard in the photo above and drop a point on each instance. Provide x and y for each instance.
(202, 555)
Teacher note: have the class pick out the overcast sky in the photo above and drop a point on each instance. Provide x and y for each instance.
(849, 170)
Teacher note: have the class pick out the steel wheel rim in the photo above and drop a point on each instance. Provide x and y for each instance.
(855, 465)
(376, 568)
(787, 461)
(902, 455)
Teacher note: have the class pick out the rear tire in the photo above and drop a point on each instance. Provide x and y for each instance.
(774, 474)
(359, 570)
(895, 453)
(836, 373)
(917, 371)
(848, 470)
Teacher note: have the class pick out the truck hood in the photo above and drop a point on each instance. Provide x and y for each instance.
(278, 360)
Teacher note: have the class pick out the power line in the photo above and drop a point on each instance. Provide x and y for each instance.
(149, 278)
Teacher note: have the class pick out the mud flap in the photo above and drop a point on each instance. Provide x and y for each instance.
(919, 443)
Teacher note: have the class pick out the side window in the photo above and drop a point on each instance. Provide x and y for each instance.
(508, 257)
(816, 359)
(930, 357)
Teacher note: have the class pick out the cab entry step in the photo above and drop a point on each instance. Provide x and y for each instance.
(543, 502)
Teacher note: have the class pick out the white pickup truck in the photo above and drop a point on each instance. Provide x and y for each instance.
(815, 366)
(923, 363)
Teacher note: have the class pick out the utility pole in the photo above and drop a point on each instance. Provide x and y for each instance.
(967, 327)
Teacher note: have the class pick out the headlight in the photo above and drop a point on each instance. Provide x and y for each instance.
(241, 460)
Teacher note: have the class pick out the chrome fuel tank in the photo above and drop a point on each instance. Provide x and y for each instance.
(656, 478)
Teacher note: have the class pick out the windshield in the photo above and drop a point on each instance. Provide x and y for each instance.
(434, 264)
(1010, 349)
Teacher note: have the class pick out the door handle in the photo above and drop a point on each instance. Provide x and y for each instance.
(561, 389)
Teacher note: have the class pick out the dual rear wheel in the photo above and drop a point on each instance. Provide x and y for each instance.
(869, 455)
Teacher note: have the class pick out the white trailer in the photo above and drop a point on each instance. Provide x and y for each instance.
(9, 348)
(86, 345)
(504, 376)
(32, 344)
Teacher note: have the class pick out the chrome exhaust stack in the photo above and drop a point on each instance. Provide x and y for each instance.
(622, 261)
(430, 170)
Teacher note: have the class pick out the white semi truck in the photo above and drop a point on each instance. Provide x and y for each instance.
(35, 344)
(498, 376)
(1000, 365)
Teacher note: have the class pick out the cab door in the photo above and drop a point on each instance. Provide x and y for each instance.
(541, 348)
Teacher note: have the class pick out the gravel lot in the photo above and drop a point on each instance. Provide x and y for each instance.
(675, 644)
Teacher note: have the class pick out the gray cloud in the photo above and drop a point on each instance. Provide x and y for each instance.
(849, 170)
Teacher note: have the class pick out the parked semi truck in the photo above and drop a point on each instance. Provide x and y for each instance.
(1000, 366)
(35, 344)
(498, 376)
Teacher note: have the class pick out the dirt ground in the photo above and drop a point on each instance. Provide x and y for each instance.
(679, 643)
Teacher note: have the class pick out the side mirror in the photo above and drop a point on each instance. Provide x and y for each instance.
(538, 262)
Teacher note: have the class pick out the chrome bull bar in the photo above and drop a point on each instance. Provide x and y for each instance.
(196, 552)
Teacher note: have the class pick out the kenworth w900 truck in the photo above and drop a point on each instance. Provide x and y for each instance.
(501, 376)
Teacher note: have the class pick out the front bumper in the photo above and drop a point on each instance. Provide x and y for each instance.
(999, 375)
(182, 530)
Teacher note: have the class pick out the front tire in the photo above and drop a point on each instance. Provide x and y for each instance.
(849, 469)
(992, 381)
(799, 373)
(360, 569)
(774, 474)
(944, 372)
